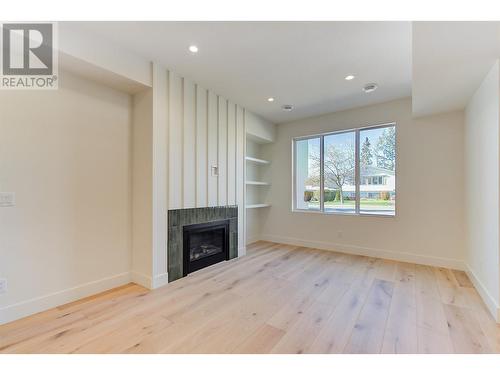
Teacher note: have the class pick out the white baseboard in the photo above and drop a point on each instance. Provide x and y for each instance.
(377, 253)
(148, 282)
(488, 299)
(160, 280)
(49, 301)
(141, 279)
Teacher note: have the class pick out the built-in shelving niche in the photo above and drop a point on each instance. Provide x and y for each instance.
(257, 161)
(257, 188)
(258, 205)
(255, 172)
(258, 166)
(257, 183)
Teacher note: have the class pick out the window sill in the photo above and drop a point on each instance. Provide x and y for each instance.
(342, 213)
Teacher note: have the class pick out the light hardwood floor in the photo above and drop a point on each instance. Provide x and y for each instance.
(277, 299)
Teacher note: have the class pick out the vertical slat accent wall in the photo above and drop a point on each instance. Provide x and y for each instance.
(204, 130)
(222, 145)
(231, 154)
(189, 145)
(175, 131)
(202, 171)
(213, 140)
(240, 175)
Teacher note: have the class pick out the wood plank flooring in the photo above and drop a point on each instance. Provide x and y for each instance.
(277, 299)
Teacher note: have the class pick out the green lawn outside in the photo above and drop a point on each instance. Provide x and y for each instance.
(368, 205)
(364, 202)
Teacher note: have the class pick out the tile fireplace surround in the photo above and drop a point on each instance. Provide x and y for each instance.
(177, 219)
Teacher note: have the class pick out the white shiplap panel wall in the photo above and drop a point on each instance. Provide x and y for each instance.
(202, 167)
(240, 177)
(189, 144)
(213, 139)
(222, 185)
(231, 154)
(175, 162)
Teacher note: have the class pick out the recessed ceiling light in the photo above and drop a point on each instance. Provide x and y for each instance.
(370, 87)
(349, 77)
(270, 99)
(193, 49)
(287, 107)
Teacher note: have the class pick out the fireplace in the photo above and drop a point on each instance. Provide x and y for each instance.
(196, 221)
(205, 244)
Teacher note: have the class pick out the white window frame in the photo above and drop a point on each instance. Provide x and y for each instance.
(357, 176)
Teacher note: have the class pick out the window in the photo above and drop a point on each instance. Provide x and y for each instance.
(351, 172)
(339, 188)
(307, 177)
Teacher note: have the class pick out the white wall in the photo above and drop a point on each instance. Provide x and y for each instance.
(97, 58)
(482, 123)
(429, 225)
(259, 129)
(142, 187)
(66, 155)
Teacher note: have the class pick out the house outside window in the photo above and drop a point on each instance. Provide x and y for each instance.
(346, 172)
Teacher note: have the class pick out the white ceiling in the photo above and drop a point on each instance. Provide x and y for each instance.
(299, 63)
(450, 60)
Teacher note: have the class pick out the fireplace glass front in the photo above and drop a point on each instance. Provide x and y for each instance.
(205, 244)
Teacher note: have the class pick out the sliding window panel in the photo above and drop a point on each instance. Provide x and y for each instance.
(377, 162)
(222, 186)
(339, 172)
(189, 146)
(213, 139)
(201, 147)
(308, 174)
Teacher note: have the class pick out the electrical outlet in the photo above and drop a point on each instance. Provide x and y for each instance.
(3, 286)
(7, 199)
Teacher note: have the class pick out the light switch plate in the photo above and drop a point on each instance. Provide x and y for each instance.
(215, 171)
(7, 199)
(3, 286)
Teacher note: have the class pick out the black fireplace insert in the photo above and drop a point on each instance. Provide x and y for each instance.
(205, 244)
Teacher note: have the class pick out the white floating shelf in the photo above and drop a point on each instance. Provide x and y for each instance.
(260, 183)
(258, 161)
(259, 205)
